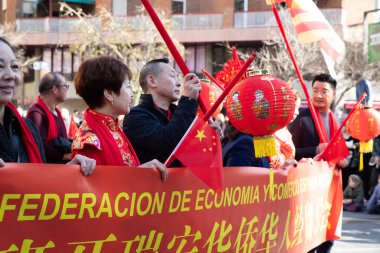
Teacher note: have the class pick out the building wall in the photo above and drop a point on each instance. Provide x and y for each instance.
(106, 4)
(8, 12)
(332, 3)
(355, 12)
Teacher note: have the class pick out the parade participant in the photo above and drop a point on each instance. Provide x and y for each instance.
(104, 85)
(19, 137)
(304, 133)
(156, 125)
(284, 143)
(238, 150)
(48, 118)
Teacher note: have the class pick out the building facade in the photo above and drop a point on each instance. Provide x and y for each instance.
(203, 26)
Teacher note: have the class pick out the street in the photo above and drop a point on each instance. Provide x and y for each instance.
(360, 234)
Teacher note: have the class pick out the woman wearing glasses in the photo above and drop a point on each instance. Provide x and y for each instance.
(48, 118)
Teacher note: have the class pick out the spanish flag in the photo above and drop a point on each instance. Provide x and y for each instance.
(312, 26)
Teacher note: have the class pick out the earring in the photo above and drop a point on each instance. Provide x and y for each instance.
(112, 102)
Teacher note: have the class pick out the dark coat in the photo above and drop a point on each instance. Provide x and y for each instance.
(11, 145)
(304, 135)
(151, 133)
(240, 152)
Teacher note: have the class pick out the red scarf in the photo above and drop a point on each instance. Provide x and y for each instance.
(52, 125)
(27, 137)
(332, 124)
(110, 150)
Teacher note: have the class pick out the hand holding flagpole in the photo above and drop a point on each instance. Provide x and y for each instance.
(170, 44)
(215, 106)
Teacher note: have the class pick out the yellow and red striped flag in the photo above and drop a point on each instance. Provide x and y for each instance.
(312, 26)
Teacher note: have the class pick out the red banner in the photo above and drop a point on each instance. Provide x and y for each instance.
(53, 208)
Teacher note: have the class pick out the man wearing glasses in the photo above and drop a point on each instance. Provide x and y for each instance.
(48, 118)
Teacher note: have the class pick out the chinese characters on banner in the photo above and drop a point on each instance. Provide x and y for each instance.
(53, 208)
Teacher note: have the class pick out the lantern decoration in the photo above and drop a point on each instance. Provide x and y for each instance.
(209, 96)
(230, 68)
(260, 105)
(364, 125)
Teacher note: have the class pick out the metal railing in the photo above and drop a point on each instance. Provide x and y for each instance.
(266, 18)
(188, 21)
(198, 21)
(52, 25)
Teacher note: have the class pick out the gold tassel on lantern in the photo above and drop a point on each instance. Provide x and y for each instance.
(264, 146)
(271, 183)
(364, 147)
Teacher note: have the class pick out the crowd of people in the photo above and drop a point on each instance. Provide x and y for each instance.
(151, 130)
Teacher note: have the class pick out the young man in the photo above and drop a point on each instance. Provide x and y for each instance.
(156, 125)
(48, 119)
(304, 133)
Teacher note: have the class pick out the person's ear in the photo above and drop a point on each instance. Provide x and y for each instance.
(152, 83)
(55, 89)
(108, 96)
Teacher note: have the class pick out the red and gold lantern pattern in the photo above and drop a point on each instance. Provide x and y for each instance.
(260, 105)
(364, 125)
(209, 96)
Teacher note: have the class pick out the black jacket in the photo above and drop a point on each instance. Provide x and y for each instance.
(11, 145)
(240, 152)
(152, 135)
(304, 135)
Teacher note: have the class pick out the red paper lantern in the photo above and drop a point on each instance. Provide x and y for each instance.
(364, 125)
(209, 95)
(260, 105)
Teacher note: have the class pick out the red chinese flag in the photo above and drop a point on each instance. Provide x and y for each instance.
(201, 152)
(73, 128)
(338, 150)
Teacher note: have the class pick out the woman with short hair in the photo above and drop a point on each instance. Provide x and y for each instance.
(104, 85)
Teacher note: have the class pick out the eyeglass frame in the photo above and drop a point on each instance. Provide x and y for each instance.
(63, 85)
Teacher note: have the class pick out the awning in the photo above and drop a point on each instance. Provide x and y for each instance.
(80, 1)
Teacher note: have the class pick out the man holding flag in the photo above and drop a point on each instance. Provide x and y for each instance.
(306, 139)
(156, 125)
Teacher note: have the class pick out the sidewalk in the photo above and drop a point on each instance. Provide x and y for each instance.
(360, 234)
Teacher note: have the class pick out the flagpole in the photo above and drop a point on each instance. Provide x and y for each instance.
(329, 145)
(311, 107)
(170, 44)
(215, 106)
(229, 87)
(209, 76)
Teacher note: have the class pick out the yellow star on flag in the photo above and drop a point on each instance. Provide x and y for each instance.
(200, 135)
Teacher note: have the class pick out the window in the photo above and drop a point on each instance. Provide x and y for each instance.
(239, 5)
(178, 6)
(196, 58)
(119, 8)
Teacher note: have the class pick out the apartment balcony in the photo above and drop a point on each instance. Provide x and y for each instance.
(70, 25)
(266, 18)
(195, 21)
(188, 28)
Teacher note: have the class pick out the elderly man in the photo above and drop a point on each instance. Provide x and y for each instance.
(48, 119)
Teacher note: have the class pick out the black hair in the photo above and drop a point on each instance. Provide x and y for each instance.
(325, 78)
(150, 68)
